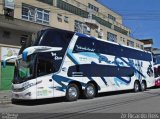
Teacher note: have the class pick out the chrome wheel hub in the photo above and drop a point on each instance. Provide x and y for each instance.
(143, 86)
(72, 92)
(90, 90)
(136, 87)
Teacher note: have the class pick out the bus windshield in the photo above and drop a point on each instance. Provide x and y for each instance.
(24, 70)
(39, 64)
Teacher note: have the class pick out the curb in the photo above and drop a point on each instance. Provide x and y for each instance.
(5, 97)
(5, 102)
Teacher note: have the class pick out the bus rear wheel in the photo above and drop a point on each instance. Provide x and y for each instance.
(143, 86)
(90, 91)
(72, 92)
(136, 86)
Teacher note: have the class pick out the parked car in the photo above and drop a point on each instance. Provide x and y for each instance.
(157, 75)
(157, 82)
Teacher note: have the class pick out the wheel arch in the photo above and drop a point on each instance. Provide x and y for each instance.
(145, 82)
(77, 83)
(95, 84)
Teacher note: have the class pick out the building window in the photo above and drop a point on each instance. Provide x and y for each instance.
(111, 37)
(142, 47)
(34, 14)
(81, 28)
(137, 45)
(124, 40)
(130, 43)
(6, 34)
(50, 2)
(120, 30)
(23, 39)
(111, 17)
(90, 6)
(59, 17)
(102, 21)
(66, 19)
(100, 33)
(75, 10)
(70, 8)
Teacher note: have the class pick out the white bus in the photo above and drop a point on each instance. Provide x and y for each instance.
(62, 63)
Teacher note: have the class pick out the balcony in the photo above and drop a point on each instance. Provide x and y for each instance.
(91, 23)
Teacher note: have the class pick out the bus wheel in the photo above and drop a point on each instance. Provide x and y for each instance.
(143, 86)
(72, 93)
(136, 86)
(90, 91)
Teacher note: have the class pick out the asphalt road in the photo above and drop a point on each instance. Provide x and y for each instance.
(119, 102)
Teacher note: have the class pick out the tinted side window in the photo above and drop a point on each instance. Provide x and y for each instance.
(86, 44)
(52, 38)
(46, 64)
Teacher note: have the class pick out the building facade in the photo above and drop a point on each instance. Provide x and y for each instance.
(19, 19)
(148, 44)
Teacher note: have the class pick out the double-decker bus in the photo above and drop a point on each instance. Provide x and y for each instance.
(63, 63)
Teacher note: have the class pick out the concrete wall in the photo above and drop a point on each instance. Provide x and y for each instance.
(13, 38)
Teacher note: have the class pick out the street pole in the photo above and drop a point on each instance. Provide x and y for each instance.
(0, 70)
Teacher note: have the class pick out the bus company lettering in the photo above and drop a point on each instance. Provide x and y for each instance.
(56, 57)
(85, 48)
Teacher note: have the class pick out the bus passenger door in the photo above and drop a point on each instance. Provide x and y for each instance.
(45, 84)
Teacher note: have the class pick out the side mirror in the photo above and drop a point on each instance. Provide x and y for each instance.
(37, 49)
(24, 55)
(4, 63)
(7, 59)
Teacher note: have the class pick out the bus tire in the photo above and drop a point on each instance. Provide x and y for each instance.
(136, 86)
(143, 86)
(72, 92)
(89, 91)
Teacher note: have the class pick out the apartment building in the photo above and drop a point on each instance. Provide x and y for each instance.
(148, 44)
(19, 19)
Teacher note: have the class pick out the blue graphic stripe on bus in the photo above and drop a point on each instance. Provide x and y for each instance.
(89, 54)
(104, 80)
(60, 80)
(71, 56)
(116, 79)
(132, 66)
(122, 80)
(102, 58)
(91, 79)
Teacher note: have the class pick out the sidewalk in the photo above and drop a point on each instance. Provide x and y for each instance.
(5, 96)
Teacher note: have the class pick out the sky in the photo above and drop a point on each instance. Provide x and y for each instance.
(141, 16)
